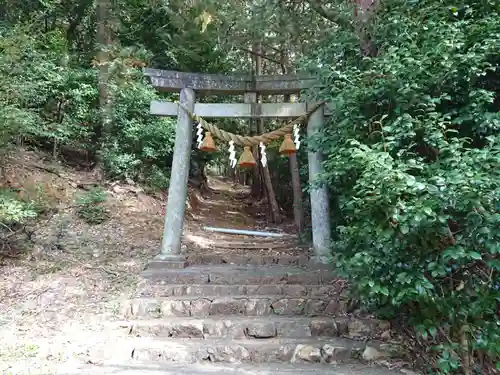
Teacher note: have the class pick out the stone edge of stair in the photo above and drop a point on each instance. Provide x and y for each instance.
(136, 367)
(254, 351)
(149, 290)
(234, 274)
(230, 305)
(238, 326)
(218, 259)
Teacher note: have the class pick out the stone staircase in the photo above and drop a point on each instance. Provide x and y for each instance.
(246, 314)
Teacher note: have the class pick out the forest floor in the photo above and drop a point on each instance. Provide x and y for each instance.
(57, 296)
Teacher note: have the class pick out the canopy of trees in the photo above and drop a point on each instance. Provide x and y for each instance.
(412, 152)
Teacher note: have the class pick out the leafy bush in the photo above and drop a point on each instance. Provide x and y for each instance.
(414, 158)
(90, 207)
(137, 141)
(14, 214)
(13, 210)
(157, 178)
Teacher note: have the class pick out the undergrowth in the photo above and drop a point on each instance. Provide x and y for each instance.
(90, 206)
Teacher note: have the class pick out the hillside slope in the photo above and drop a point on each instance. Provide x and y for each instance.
(58, 293)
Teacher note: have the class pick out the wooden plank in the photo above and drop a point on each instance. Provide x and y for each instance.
(173, 81)
(239, 110)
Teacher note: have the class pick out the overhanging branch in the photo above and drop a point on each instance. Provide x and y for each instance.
(255, 53)
(330, 15)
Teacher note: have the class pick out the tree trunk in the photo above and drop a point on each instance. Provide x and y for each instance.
(234, 175)
(256, 191)
(104, 41)
(197, 176)
(273, 203)
(298, 204)
(363, 13)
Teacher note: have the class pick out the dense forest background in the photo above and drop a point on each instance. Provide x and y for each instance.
(412, 150)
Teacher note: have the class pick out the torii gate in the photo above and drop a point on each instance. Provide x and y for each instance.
(190, 84)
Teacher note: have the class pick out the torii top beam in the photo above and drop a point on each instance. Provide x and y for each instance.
(202, 83)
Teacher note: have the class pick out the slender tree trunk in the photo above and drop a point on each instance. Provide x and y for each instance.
(256, 191)
(104, 41)
(273, 203)
(363, 13)
(265, 193)
(298, 203)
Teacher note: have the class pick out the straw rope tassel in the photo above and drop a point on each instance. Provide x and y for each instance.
(287, 146)
(208, 143)
(246, 158)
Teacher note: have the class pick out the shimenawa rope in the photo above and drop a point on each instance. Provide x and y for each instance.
(255, 140)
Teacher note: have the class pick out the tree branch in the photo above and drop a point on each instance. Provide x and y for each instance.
(255, 53)
(330, 15)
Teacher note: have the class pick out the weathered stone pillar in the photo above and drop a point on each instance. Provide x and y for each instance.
(319, 195)
(177, 191)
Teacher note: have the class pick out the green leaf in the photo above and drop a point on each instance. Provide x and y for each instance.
(474, 255)
(432, 331)
(410, 181)
(427, 211)
(384, 290)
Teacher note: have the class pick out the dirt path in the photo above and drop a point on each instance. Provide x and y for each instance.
(54, 303)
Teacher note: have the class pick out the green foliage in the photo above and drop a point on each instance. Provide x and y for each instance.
(50, 99)
(90, 206)
(414, 156)
(157, 178)
(52, 83)
(279, 168)
(39, 200)
(138, 143)
(14, 210)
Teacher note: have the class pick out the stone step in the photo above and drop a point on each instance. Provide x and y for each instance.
(232, 305)
(233, 242)
(134, 367)
(245, 351)
(251, 259)
(332, 350)
(335, 291)
(234, 274)
(236, 327)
